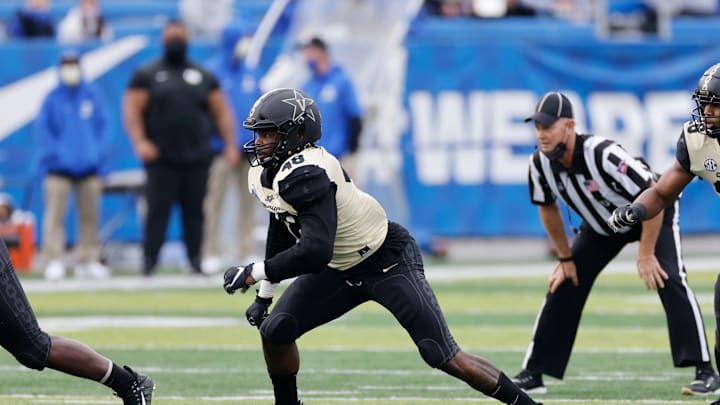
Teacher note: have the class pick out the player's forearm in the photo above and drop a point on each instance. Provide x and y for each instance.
(653, 202)
(132, 113)
(555, 228)
(309, 255)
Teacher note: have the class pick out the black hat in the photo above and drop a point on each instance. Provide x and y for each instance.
(315, 42)
(552, 105)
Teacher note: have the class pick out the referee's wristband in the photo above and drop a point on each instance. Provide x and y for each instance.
(565, 259)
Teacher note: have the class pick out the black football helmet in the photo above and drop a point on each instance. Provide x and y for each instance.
(707, 92)
(293, 114)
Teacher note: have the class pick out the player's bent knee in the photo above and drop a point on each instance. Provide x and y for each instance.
(33, 354)
(431, 353)
(280, 328)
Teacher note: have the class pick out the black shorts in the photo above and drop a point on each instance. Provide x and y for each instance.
(19, 330)
(318, 298)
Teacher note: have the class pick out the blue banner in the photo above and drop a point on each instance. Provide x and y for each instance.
(467, 148)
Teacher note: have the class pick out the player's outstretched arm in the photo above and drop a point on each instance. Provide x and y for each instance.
(653, 200)
(666, 191)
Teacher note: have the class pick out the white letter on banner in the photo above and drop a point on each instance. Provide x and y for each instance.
(509, 109)
(470, 151)
(665, 113)
(431, 156)
(618, 116)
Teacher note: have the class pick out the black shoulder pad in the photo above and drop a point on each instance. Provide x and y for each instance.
(681, 153)
(305, 184)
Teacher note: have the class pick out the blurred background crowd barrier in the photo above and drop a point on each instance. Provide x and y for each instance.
(444, 146)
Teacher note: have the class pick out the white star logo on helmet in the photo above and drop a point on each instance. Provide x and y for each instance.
(300, 104)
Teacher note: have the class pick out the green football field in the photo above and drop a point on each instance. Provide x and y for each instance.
(195, 343)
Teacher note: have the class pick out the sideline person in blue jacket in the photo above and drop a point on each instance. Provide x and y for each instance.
(240, 83)
(333, 91)
(73, 142)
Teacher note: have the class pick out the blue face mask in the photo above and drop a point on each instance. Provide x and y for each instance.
(313, 65)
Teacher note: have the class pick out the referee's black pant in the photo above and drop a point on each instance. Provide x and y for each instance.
(557, 323)
(166, 184)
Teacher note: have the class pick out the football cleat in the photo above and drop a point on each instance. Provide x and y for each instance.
(140, 391)
(705, 383)
(530, 382)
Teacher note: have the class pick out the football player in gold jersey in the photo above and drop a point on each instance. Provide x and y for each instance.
(697, 154)
(338, 242)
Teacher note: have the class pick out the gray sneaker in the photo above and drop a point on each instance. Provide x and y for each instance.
(140, 391)
(705, 383)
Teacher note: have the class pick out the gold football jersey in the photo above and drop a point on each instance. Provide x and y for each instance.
(704, 154)
(361, 221)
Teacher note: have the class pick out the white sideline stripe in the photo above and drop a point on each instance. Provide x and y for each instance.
(609, 376)
(47, 399)
(366, 349)
(77, 323)
(433, 273)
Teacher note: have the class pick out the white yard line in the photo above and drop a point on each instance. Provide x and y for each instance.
(47, 399)
(438, 272)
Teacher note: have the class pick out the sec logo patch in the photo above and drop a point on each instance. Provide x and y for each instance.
(710, 165)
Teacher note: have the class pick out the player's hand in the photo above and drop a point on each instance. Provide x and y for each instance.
(563, 271)
(258, 311)
(651, 272)
(146, 150)
(238, 278)
(627, 215)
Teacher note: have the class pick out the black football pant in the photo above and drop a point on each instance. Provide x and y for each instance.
(557, 323)
(315, 299)
(166, 184)
(19, 330)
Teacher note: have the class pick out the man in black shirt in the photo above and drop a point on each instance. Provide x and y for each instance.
(170, 111)
(338, 242)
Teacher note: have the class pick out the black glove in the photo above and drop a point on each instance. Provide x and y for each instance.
(258, 311)
(627, 215)
(236, 278)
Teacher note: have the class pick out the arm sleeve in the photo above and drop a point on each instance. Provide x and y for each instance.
(278, 238)
(540, 192)
(140, 80)
(631, 175)
(212, 81)
(682, 155)
(309, 190)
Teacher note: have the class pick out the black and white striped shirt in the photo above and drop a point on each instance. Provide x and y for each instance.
(602, 177)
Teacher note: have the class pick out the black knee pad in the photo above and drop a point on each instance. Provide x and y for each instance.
(33, 354)
(431, 352)
(279, 328)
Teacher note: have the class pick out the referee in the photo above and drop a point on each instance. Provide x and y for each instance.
(593, 176)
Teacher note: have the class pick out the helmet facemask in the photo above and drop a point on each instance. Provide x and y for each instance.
(707, 92)
(274, 152)
(699, 117)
